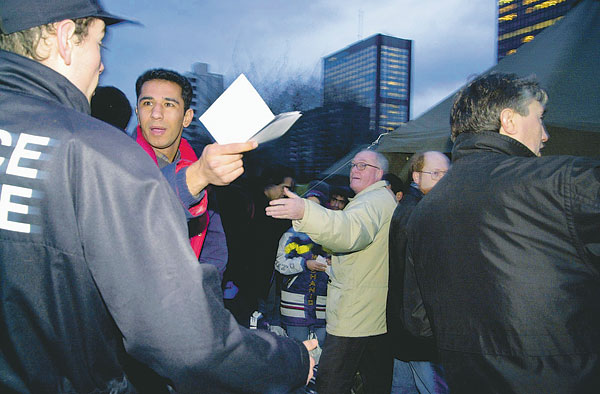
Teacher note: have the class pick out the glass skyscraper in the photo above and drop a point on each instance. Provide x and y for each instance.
(519, 21)
(375, 73)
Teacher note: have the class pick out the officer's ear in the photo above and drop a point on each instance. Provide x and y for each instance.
(65, 39)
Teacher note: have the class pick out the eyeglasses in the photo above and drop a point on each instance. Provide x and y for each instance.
(361, 166)
(435, 175)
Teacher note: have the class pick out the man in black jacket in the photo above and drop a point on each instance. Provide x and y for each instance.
(99, 288)
(414, 367)
(506, 250)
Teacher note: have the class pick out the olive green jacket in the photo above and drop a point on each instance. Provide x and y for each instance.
(358, 238)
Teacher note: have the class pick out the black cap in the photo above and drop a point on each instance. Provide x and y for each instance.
(18, 15)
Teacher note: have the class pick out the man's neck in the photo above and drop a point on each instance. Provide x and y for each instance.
(168, 154)
(164, 160)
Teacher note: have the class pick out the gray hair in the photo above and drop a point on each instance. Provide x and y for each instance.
(477, 106)
(380, 159)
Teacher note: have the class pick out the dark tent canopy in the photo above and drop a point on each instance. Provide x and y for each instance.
(565, 59)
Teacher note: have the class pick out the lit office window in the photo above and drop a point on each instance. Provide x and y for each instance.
(527, 39)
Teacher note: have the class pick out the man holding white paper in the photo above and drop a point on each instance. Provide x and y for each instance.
(163, 110)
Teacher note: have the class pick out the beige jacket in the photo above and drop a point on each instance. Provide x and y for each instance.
(358, 237)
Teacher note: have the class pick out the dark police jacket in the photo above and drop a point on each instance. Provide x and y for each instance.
(506, 250)
(95, 262)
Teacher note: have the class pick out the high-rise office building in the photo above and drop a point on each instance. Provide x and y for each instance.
(319, 138)
(206, 87)
(519, 21)
(375, 73)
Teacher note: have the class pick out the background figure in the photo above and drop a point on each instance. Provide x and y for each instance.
(304, 278)
(237, 212)
(415, 370)
(264, 236)
(338, 197)
(111, 105)
(395, 185)
(505, 250)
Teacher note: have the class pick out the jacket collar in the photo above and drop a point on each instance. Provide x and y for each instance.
(185, 149)
(489, 141)
(414, 191)
(367, 189)
(27, 76)
(138, 136)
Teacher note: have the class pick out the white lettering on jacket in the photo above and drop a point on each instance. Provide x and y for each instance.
(15, 168)
(7, 206)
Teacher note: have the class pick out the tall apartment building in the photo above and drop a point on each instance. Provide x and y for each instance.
(206, 87)
(375, 73)
(519, 21)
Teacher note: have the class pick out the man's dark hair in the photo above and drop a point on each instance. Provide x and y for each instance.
(477, 106)
(275, 176)
(342, 191)
(395, 182)
(166, 75)
(111, 105)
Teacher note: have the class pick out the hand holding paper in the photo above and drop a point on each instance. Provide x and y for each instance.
(240, 114)
(218, 165)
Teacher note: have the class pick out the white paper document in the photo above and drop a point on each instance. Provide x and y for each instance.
(240, 114)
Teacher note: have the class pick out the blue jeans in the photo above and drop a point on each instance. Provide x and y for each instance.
(301, 333)
(418, 377)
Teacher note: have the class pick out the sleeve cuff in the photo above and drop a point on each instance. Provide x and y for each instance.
(187, 199)
(178, 183)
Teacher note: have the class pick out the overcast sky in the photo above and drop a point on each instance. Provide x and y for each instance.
(271, 40)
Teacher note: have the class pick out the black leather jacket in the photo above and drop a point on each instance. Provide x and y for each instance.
(95, 262)
(506, 250)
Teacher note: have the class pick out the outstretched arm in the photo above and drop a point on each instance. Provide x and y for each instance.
(287, 208)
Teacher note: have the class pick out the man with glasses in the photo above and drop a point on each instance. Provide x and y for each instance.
(356, 294)
(426, 169)
(414, 371)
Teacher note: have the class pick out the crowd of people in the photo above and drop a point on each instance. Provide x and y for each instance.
(133, 264)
